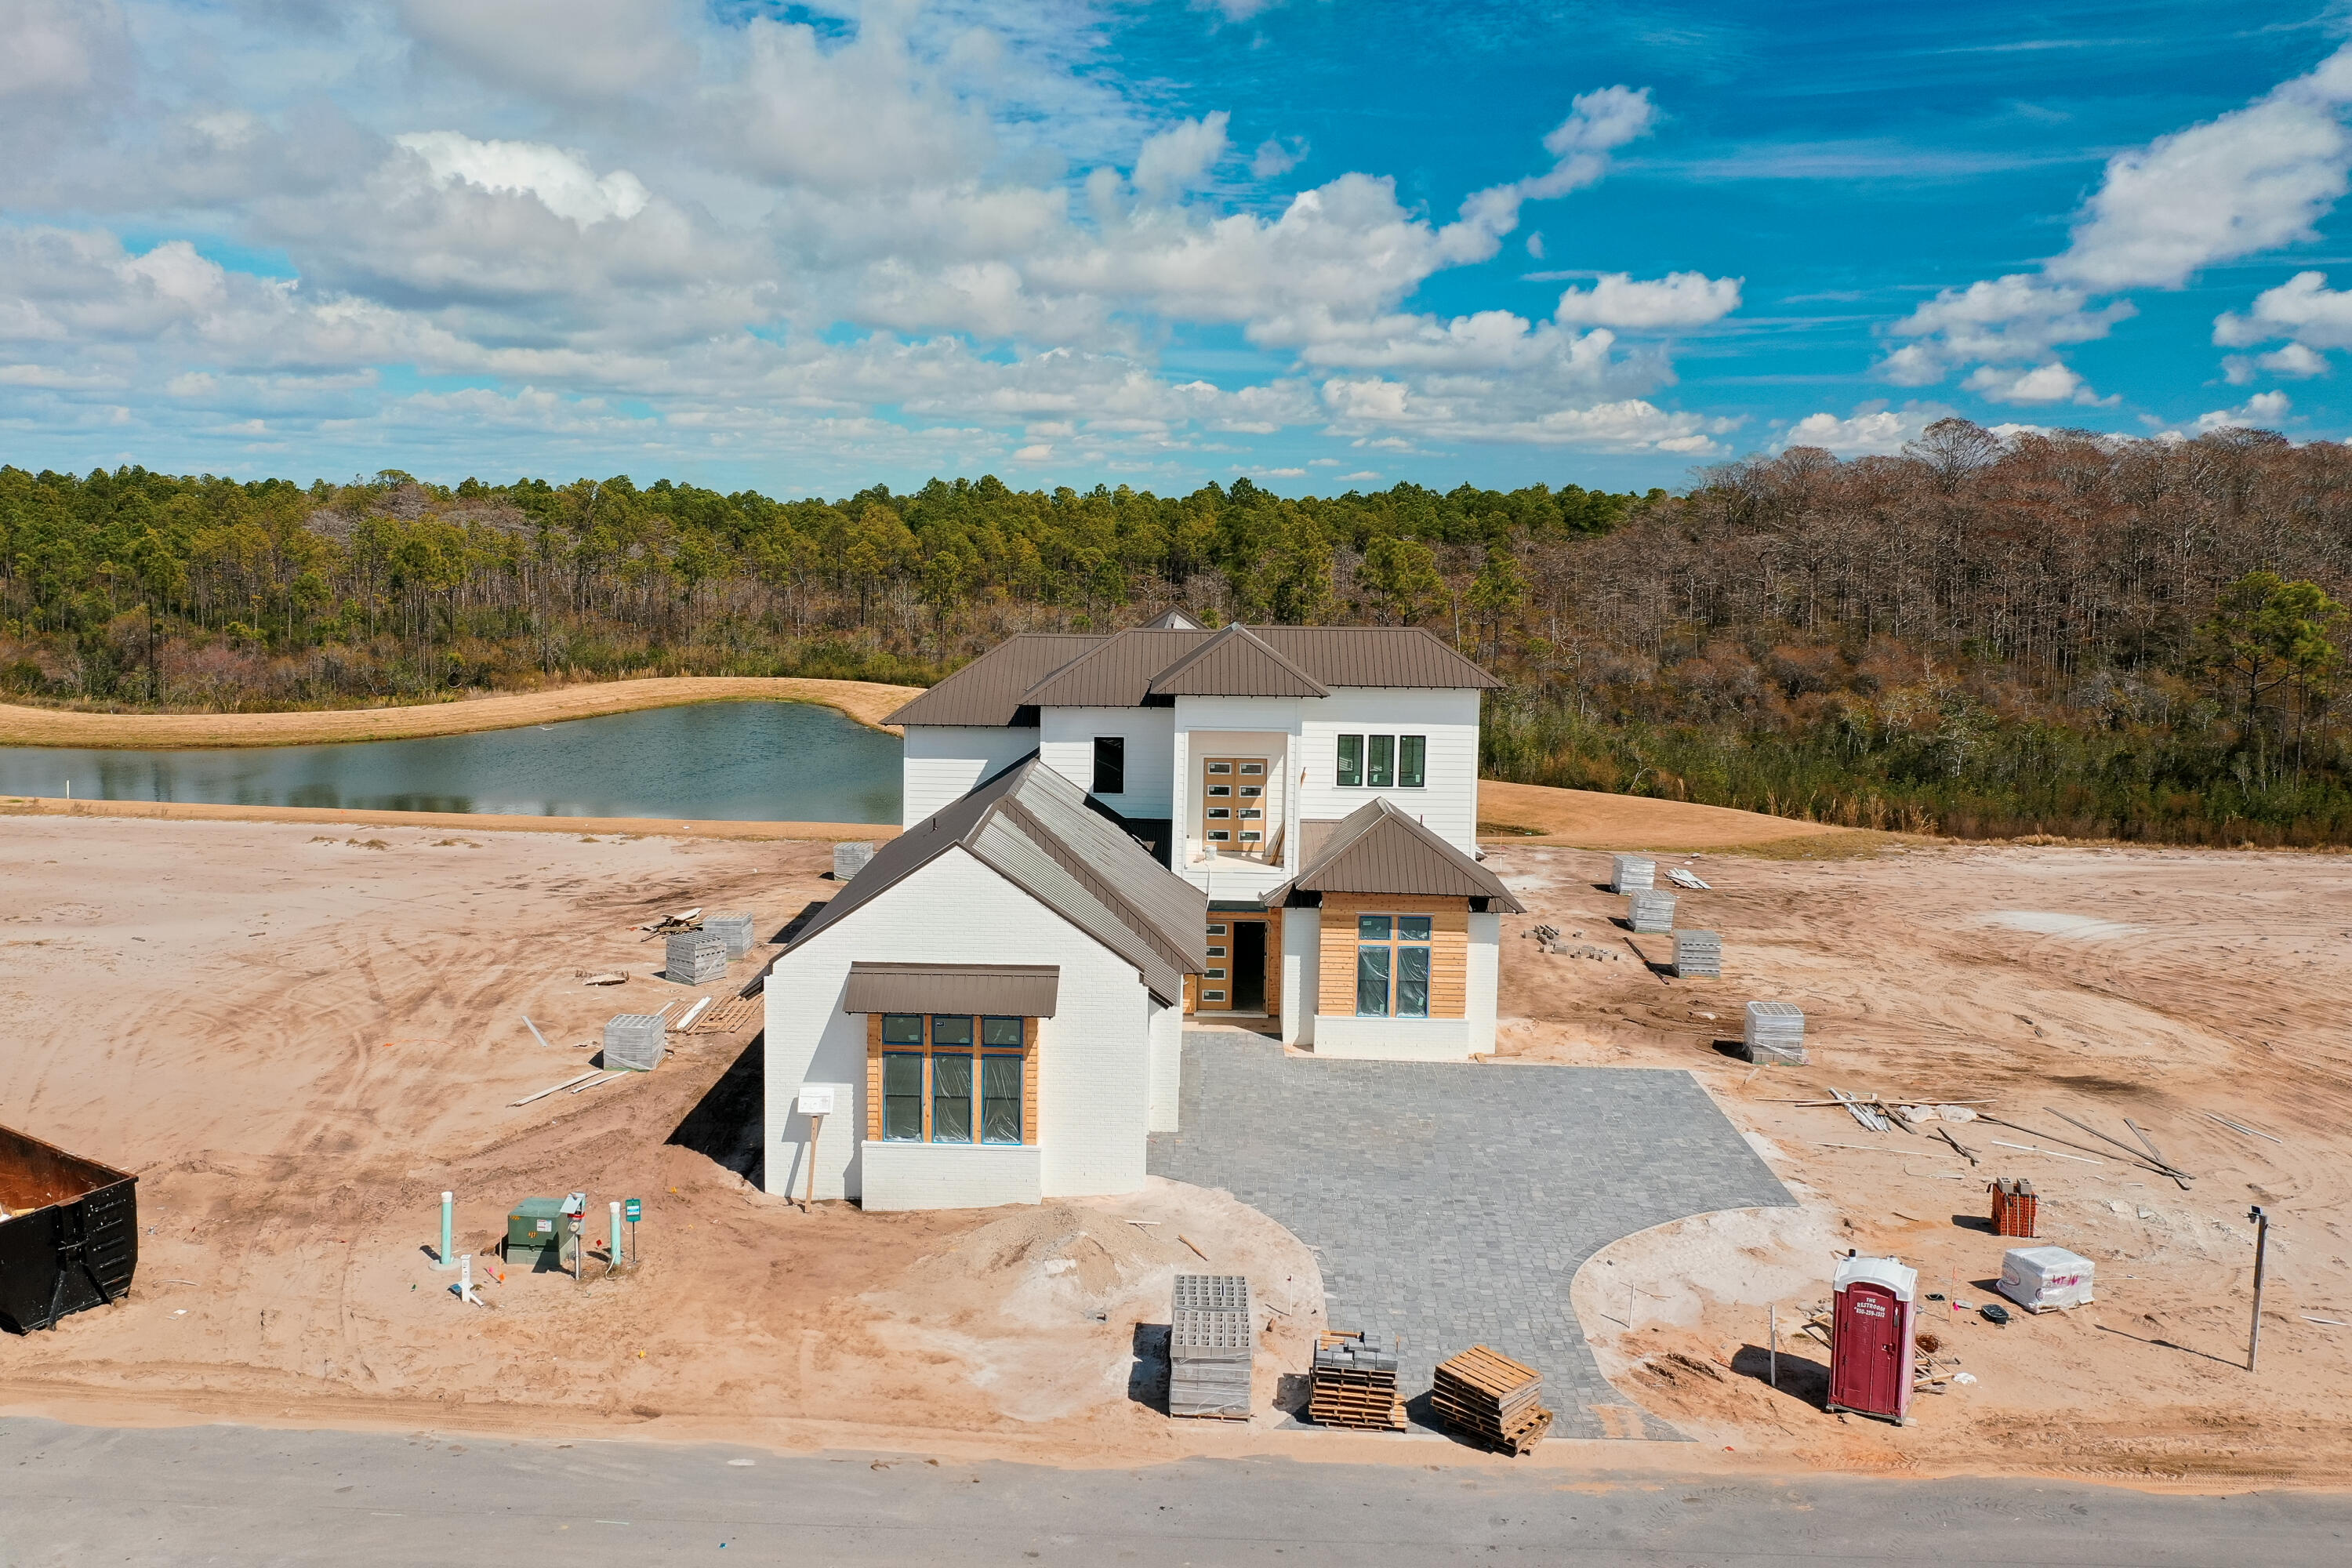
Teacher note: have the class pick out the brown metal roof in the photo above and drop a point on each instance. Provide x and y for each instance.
(1123, 668)
(1378, 848)
(989, 690)
(1033, 828)
(1005, 990)
(1235, 663)
(1375, 656)
(1117, 673)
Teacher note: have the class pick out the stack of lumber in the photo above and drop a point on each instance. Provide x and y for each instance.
(1356, 1384)
(735, 930)
(1491, 1399)
(696, 958)
(1630, 873)
(1650, 910)
(634, 1040)
(1774, 1033)
(1211, 1346)
(1698, 954)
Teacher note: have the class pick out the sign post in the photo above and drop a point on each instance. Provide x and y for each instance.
(2261, 1249)
(816, 1104)
(630, 1210)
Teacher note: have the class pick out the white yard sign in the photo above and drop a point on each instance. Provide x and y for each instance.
(816, 1102)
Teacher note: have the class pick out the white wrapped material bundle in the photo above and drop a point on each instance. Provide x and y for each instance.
(1629, 873)
(733, 930)
(634, 1041)
(2045, 1278)
(1775, 1032)
(848, 860)
(1650, 910)
(695, 958)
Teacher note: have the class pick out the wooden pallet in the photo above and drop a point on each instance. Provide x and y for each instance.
(728, 1016)
(1492, 1399)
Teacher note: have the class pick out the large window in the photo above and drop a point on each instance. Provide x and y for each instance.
(1383, 761)
(1111, 764)
(1392, 966)
(952, 1078)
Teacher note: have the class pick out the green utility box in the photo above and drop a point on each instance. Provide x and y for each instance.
(535, 1226)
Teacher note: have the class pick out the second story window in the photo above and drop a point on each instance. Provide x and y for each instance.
(1111, 764)
(1383, 761)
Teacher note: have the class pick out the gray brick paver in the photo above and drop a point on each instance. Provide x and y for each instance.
(1453, 1202)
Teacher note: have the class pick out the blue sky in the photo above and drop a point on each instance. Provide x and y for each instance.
(1323, 243)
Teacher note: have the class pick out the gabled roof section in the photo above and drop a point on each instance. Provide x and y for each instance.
(988, 690)
(1032, 827)
(1171, 621)
(1376, 656)
(1378, 848)
(1117, 673)
(1235, 662)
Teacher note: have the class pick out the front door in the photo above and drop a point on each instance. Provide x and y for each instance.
(1232, 804)
(1235, 981)
(1217, 980)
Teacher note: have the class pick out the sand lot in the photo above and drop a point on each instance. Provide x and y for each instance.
(298, 1038)
(2103, 983)
(298, 1034)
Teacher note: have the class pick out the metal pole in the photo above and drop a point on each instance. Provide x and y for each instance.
(448, 1204)
(2261, 1250)
(1775, 1313)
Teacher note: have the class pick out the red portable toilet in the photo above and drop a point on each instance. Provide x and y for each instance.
(1870, 1315)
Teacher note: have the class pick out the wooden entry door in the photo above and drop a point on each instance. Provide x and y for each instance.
(1232, 804)
(1244, 967)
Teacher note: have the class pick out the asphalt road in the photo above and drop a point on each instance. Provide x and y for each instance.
(86, 1496)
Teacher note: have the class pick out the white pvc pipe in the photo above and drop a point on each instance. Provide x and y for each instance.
(615, 1246)
(448, 1207)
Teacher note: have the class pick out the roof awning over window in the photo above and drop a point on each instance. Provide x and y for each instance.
(1005, 990)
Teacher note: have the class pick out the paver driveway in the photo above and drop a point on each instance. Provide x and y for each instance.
(1452, 1203)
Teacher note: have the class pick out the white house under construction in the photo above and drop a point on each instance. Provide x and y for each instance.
(1104, 836)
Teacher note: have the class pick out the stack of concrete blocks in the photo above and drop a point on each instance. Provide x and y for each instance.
(848, 860)
(1698, 954)
(696, 958)
(1211, 1346)
(1630, 873)
(1650, 910)
(633, 1041)
(1774, 1033)
(735, 930)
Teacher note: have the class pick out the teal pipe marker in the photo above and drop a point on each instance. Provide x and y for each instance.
(448, 1208)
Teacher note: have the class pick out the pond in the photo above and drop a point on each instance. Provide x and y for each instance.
(735, 761)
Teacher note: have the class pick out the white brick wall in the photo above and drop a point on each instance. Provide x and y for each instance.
(1302, 973)
(1485, 979)
(1167, 1067)
(947, 1177)
(1066, 741)
(1094, 1054)
(1393, 1039)
(944, 762)
(1448, 802)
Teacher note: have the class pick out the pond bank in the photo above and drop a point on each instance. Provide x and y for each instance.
(867, 701)
(454, 821)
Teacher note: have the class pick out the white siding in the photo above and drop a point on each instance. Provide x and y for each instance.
(1485, 978)
(944, 762)
(1066, 742)
(1302, 973)
(1448, 802)
(1093, 1055)
(1167, 1068)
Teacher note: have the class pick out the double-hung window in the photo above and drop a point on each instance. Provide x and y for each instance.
(1383, 761)
(952, 1078)
(1392, 966)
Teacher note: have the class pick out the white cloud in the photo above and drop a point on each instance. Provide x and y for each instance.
(1039, 453)
(1875, 432)
(1677, 300)
(2051, 383)
(2304, 308)
(1275, 156)
(571, 51)
(1180, 158)
(2248, 181)
(562, 179)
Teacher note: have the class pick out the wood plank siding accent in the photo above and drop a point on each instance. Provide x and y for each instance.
(1449, 956)
(874, 1080)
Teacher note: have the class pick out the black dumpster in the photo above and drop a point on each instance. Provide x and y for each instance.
(71, 1240)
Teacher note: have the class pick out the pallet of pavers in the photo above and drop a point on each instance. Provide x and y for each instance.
(1211, 1346)
(1356, 1384)
(1487, 1396)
